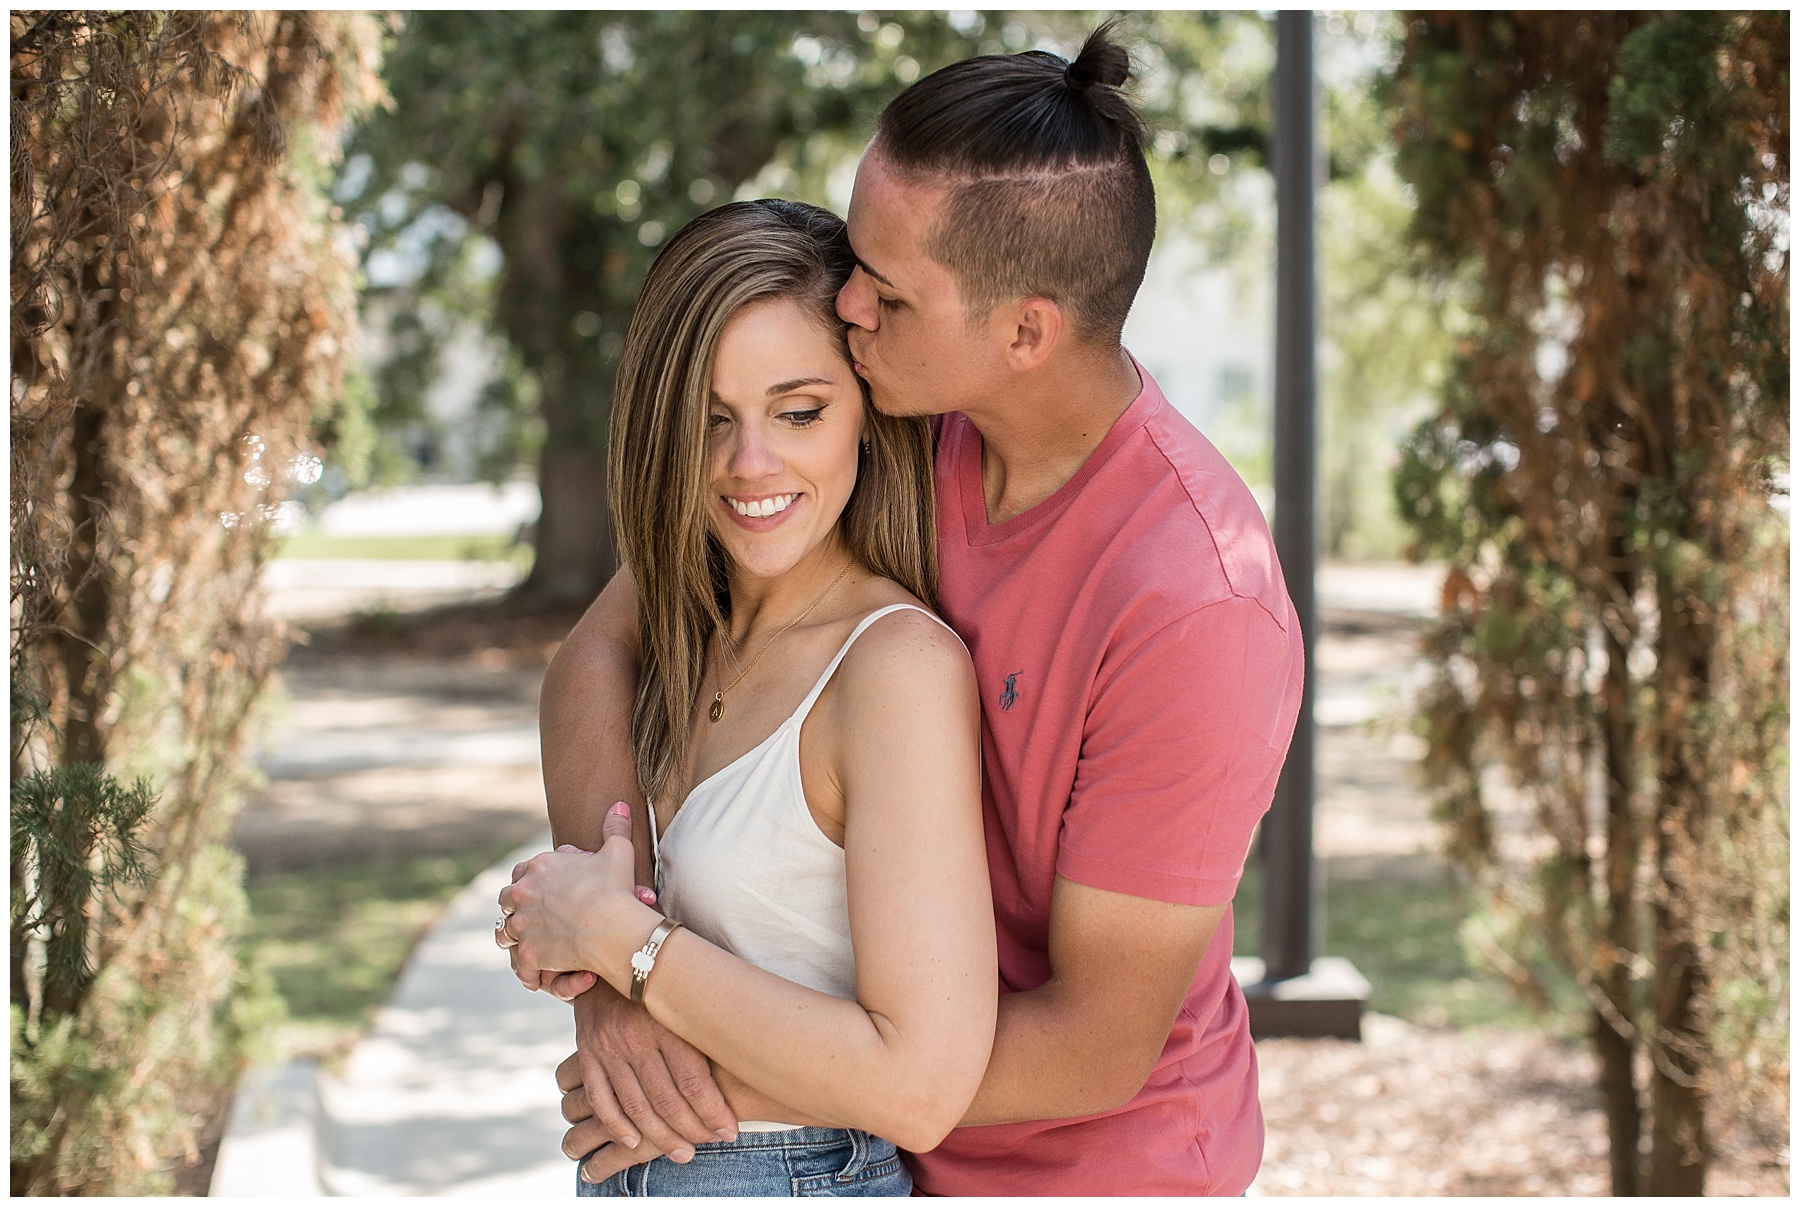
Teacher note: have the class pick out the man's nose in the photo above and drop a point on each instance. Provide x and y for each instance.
(856, 301)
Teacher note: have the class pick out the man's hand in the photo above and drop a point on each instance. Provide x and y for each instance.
(587, 1136)
(639, 1085)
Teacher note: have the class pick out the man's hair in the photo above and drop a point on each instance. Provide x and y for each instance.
(1049, 192)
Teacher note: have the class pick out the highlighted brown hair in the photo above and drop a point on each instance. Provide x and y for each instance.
(722, 261)
(1050, 195)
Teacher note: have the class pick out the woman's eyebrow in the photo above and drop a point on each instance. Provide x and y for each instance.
(788, 387)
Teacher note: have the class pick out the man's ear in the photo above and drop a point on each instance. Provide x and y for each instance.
(1036, 329)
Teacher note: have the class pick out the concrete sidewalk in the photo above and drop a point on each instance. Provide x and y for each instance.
(304, 590)
(452, 1092)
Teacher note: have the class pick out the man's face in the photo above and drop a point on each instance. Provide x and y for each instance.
(909, 332)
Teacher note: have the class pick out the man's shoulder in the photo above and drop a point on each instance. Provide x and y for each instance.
(1199, 534)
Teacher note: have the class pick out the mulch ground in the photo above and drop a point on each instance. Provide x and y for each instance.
(1427, 1111)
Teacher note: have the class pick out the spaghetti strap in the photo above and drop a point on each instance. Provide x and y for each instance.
(800, 713)
(795, 719)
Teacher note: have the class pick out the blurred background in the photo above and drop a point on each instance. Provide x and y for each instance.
(315, 319)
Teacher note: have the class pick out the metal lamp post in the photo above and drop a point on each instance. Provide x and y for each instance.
(1289, 991)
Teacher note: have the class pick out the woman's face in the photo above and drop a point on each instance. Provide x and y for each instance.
(782, 435)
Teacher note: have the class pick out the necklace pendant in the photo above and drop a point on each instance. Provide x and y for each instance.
(718, 707)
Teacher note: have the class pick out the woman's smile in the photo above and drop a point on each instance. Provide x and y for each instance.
(750, 508)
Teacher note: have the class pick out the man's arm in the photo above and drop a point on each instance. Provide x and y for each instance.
(1183, 741)
(642, 1079)
(1083, 1042)
(584, 724)
(1087, 1039)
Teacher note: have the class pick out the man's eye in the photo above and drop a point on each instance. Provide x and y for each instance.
(886, 303)
(803, 418)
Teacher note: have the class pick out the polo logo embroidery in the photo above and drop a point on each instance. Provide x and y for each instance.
(1009, 695)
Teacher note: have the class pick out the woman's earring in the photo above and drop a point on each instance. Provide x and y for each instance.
(865, 447)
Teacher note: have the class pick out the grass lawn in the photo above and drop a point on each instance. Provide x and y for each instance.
(491, 547)
(1404, 934)
(335, 938)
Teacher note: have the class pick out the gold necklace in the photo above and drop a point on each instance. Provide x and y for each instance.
(717, 709)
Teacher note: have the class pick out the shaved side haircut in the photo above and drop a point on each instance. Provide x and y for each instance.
(1050, 195)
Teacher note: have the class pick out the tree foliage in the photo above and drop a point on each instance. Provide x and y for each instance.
(181, 303)
(1606, 477)
(572, 143)
(1384, 324)
(76, 836)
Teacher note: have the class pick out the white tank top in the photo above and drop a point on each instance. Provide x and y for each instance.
(744, 865)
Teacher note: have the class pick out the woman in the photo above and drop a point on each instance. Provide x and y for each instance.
(806, 733)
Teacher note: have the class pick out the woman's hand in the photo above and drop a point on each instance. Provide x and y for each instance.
(568, 910)
(567, 986)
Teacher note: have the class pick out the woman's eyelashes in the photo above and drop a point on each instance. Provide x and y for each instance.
(799, 417)
(803, 418)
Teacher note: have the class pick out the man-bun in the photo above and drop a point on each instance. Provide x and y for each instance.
(1049, 194)
(1101, 61)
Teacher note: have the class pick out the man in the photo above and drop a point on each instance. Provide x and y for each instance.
(1138, 658)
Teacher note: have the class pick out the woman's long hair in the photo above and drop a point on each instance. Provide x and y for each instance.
(728, 258)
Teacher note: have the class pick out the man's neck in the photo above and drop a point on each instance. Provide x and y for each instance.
(1040, 435)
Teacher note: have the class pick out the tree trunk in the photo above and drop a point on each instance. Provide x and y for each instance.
(574, 543)
(1619, 1098)
(83, 640)
(90, 604)
(575, 554)
(1615, 1041)
(1678, 1148)
(1678, 1143)
(21, 995)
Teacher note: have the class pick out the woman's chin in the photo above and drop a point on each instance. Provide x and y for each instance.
(770, 563)
(768, 550)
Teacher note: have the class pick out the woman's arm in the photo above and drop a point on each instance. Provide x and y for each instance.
(905, 1059)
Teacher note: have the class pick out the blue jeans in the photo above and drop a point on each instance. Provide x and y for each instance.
(808, 1161)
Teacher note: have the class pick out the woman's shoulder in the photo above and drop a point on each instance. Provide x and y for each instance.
(907, 648)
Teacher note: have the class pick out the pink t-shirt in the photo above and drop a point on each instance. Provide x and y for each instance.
(1140, 666)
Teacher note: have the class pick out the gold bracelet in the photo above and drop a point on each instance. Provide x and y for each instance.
(643, 960)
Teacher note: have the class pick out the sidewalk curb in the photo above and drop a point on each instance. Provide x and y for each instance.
(451, 1092)
(271, 1147)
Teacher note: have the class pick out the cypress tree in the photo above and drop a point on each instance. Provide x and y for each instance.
(181, 311)
(1606, 477)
